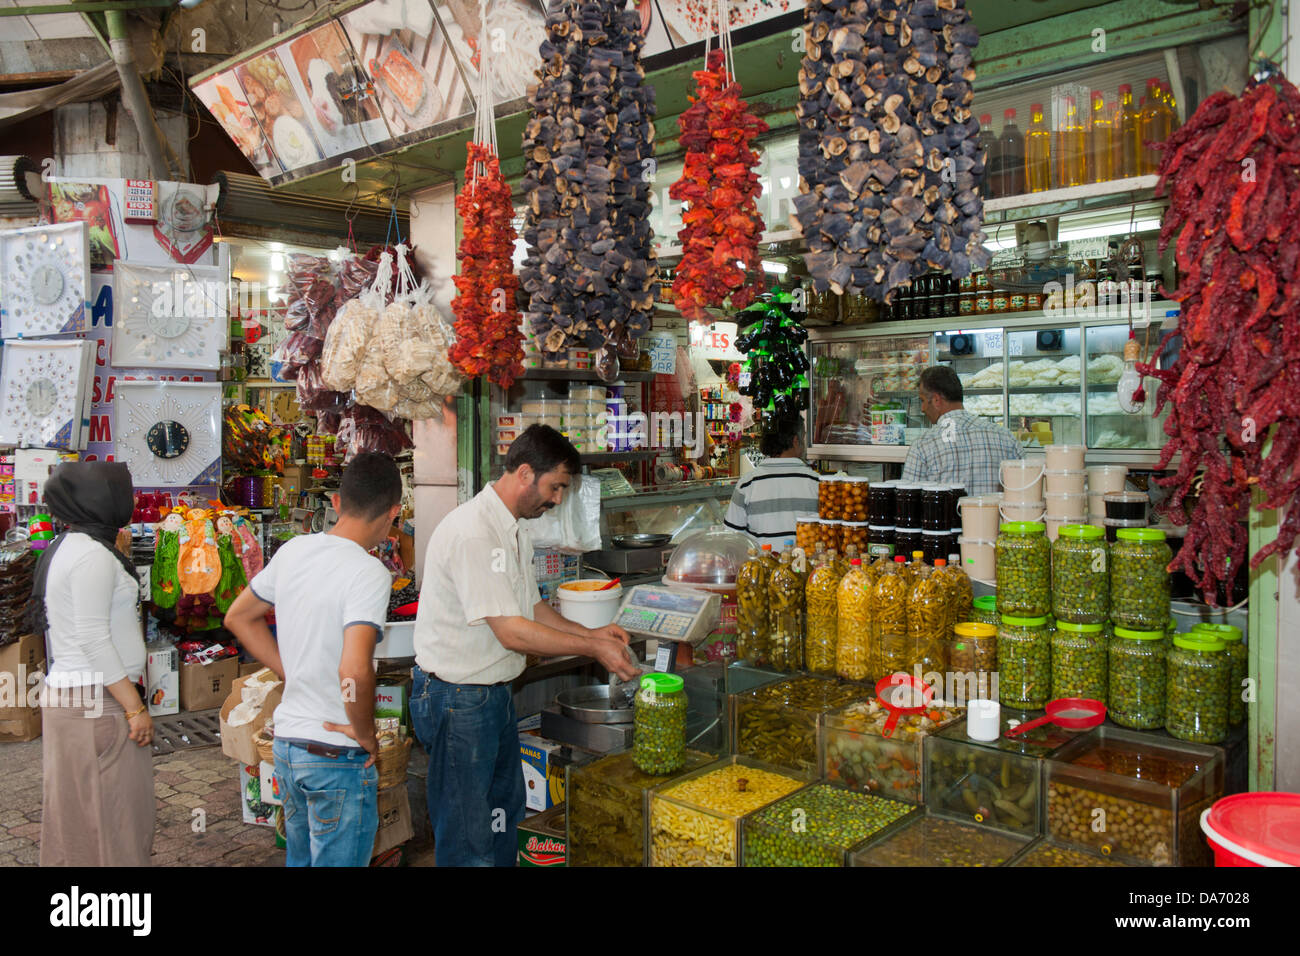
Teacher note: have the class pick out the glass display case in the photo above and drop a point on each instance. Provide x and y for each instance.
(852, 378)
(820, 825)
(857, 753)
(1047, 852)
(935, 841)
(780, 723)
(1108, 425)
(1125, 794)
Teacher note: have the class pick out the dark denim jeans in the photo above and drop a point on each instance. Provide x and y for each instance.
(475, 785)
(331, 807)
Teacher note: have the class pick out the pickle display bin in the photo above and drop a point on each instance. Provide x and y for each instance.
(997, 783)
(1045, 851)
(856, 754)
(1134, 796)
(819, 825)
(937, 841)
(607, 803)
(695, 820)
(781, 723)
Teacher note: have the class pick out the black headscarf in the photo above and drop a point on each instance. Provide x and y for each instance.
(94, 498)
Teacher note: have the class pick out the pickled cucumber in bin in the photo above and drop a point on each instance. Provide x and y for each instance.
(822, 601)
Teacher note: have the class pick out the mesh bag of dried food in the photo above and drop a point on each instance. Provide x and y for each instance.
(346, 344)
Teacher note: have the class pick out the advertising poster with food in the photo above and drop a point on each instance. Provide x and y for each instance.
(278, 108)
(224, 98)
(414, 70)
(671, 24)
(341, 110)
(515, 31)
(101, 210)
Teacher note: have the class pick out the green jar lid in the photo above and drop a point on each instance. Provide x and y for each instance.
(989, 602)
(1140, 534)
(1087, 532)
(1124, 632)
(1078, 628)
(1023, 527)
(1197, 642)
(1224, 632)
(663, 683)
(1023, 621)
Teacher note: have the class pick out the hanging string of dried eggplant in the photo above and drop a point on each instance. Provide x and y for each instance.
(588, 147)
(888, 147)
(776, 367)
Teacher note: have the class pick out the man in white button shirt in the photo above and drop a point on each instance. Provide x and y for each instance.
(480, 615)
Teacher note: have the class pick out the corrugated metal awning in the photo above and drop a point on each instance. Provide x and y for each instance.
(248, 200)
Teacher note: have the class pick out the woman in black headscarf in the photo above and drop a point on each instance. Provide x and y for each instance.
(98, 807)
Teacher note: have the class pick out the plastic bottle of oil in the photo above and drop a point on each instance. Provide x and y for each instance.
(1012, 151)
(1101, 161)
(1173, 107)
(991, 150)
(1154, 123)
(1038, 152)
(1128, 131)
(1072, 147)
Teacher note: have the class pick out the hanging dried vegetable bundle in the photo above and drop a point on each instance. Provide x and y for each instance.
(1234, 392)
(775, 363)
(722, 226)
(888, 152)
(590, 268)
(488, 340)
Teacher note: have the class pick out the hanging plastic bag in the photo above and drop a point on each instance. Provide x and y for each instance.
(572, 526)
(348, 340)
(199, 562)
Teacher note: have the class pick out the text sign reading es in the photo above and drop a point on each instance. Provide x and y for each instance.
(663, 352)
(716, 341)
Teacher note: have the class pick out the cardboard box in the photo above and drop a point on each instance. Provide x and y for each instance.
(393, 699)
(162, 679)
(204, 686)
(22, 671)
(237, 741)
(249, 667)
(253, 808)
(26, 727)
(394, 820)
(543, 840)
(295, 480)
(535, 752)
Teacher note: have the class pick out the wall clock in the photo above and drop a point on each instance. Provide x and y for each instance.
(44, 385)
(169, 316)
(45, 271)
(168, 433)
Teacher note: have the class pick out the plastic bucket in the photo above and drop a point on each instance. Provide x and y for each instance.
(1104, 479)
(1064, 458)
(590, 608)
(1022, 480)
(1254, 829)
(1054, 526)
(1022, 511)
(979, 516)
(1066, 505)
(1065, 482)
(978, 558)
(1131, 505)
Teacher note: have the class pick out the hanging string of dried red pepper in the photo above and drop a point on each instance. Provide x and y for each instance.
(1234, 391)
(722, 226)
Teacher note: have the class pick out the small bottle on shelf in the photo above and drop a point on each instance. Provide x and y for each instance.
(1101, 165)
(1071, 148)
(1011, 155)
(1038, 152)
(991, 151)
(1153, 122)
(1128, 132)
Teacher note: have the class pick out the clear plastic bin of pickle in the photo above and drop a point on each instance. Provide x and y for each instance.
(780, 723)
(995, 783)
(926, 840)
(695, 820)
(1133, 796)
(1045, 851)
(855, 491)
(857, 754)
(830, 499)
(820, 825)
(607, 803)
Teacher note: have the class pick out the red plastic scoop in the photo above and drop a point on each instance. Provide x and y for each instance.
(898, 694)
(1068, 713)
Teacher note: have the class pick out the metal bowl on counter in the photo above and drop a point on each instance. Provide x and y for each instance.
(641, 540)
(592, 705)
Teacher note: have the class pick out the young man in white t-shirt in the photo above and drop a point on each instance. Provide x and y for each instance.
(330, 599)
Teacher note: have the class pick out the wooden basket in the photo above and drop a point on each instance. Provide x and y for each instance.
(264, 740)
(392, 764)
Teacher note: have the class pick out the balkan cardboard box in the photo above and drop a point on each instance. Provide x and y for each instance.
(204, 686)
(162, 679)
(543, 840)
(22, 672)
(237, 739)
(394, 820)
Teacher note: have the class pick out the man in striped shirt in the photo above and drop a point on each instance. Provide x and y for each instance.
(781, 486)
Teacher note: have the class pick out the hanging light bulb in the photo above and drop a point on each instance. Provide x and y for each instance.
(1129, 390)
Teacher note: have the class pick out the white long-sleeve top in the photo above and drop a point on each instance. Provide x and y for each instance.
(90, 605)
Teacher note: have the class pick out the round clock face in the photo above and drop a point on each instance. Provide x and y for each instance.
(167, 326)
(168, 439)
(42, 396)
(47, 284)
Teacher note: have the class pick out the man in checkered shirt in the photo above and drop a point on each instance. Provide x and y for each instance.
(962, 448)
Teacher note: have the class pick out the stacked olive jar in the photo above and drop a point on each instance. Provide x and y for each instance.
(659, 724)
(1080, 603)
(1238, 667)
(1024, 600)
(1139, 613)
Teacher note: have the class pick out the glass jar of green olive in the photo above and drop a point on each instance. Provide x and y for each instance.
(1024, 662)
(1080, 575)
(1139, 579)
(985, 610)
(1197, 687)
(1079, 665)
(659, 724)
(1137, 678)
(1238, 657)
(1024, 569)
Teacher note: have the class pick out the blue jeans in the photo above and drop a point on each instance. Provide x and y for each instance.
(475, 785)
(331, 809)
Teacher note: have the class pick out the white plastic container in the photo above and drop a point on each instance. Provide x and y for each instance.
(979, 516)
(1071, 482)
(1066, 505)
(398, 640)
(1022, 510)
(589, 393)
(1022, 480)
(978, 558)
(1104, 479)
(983, 720)
(1064, 458)
(590, 608)
(1054, 526)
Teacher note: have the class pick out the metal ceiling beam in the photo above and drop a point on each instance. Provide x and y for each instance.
(82, 6)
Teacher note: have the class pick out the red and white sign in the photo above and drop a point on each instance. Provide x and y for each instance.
(716, 341)
(140, 203)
